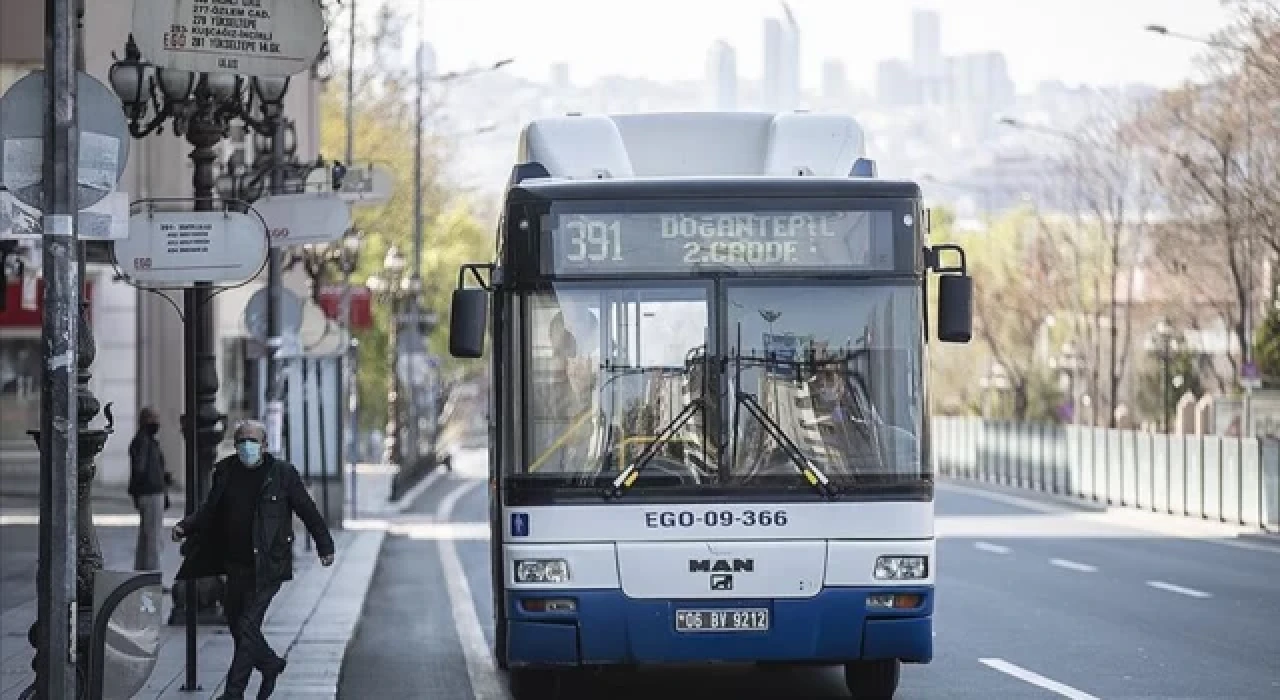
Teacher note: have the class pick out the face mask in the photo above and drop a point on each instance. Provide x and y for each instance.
(250, 452)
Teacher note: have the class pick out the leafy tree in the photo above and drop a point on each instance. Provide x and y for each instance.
(452, 235)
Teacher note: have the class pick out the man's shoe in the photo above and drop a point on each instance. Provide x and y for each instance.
(269, 678)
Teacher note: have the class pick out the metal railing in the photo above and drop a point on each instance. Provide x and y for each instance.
(1228, 479)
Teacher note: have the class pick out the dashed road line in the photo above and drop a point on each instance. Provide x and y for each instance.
(993, 548)
(1037, 680)
(1073, 565)
(1181, 590)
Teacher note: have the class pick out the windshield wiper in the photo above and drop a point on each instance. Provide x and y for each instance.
(628, 476)
(805, 466)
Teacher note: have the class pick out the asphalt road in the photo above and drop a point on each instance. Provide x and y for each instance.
(1030, 605)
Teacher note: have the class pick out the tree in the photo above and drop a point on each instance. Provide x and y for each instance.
(1267, 349)
(383, 125)
(1011, 266)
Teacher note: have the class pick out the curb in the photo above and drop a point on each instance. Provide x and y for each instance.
(317, 653)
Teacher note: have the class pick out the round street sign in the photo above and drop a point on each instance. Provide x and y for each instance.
(104, 140)
(255, 314)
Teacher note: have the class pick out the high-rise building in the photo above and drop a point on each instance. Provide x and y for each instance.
(980, 80)
(428, 58)
(894, 84)
(780, 89)
(927, 64)
(560, 76)
(722, 77)
(835, 81)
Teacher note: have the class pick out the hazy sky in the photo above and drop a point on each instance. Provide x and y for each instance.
(1091, 41)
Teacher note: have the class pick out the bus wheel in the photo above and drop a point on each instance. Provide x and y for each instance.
(534, 684)
(872, 680)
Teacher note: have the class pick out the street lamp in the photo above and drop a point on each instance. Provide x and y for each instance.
(388, 288)
(1164, 343)
(1069, 361)
(200, 107)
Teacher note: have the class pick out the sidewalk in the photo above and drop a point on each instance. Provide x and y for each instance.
(310, 622)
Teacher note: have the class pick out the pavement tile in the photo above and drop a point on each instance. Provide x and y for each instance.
(311, 621)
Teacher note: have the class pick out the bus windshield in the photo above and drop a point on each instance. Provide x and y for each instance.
(835, 368)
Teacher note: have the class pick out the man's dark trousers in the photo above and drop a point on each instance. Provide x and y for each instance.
(246, 605)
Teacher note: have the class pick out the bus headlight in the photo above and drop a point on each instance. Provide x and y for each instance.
(901, 568)
(542, 571)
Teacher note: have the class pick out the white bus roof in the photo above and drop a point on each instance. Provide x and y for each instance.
(691, 144)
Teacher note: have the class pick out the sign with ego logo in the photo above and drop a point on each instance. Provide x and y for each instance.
(178, 249)
(304, 219)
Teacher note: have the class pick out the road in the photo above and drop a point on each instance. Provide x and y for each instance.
(1031, 604)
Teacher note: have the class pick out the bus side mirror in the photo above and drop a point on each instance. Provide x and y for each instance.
(955, 308)
(467, 315)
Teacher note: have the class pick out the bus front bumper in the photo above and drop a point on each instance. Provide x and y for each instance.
(605, 627)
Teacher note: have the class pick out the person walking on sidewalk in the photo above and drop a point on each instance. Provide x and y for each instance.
(148, 485)
(244, 530)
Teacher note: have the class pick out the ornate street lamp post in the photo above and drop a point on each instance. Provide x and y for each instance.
(391, 288)
(201, 107)
(1164, 343)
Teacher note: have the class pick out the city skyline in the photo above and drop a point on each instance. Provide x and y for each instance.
(1093, 42)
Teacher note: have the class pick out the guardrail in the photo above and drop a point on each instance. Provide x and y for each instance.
(1232, 480)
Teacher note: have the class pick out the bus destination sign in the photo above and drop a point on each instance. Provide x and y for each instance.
(665, 242)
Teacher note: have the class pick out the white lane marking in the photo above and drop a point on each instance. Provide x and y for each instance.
(475, 649)
(1173, 588)
(1036, 679)
(408, 497)
(993, 548)
(99, 520)
(1119, 517)
(1073, 565)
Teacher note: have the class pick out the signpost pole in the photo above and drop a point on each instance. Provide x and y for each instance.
(59, 430)
(274, 417)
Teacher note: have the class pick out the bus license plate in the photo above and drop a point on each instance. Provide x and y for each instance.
(730, 620)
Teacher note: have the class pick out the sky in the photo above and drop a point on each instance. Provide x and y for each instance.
(1095, 42)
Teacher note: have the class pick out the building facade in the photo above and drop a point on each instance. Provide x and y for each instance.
(138, 334)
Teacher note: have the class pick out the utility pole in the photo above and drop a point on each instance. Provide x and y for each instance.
(414, 314)
(275, 376)
(351, 87)
(59, 429)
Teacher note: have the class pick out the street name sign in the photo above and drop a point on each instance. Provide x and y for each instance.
(366, 185)
(178, 249)
(308, 218)
(247, 37)
(104, 140)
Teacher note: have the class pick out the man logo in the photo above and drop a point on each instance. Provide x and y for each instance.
(722, 565)
(722, 582)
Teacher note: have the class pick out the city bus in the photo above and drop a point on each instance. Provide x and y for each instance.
(708, 430)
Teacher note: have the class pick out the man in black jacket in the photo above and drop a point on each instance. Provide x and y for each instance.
(148, 482)
(244, 530)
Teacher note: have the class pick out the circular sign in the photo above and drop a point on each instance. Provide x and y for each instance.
(255, 313)
(104, 150)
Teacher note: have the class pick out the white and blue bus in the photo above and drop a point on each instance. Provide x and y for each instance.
(709, 435)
